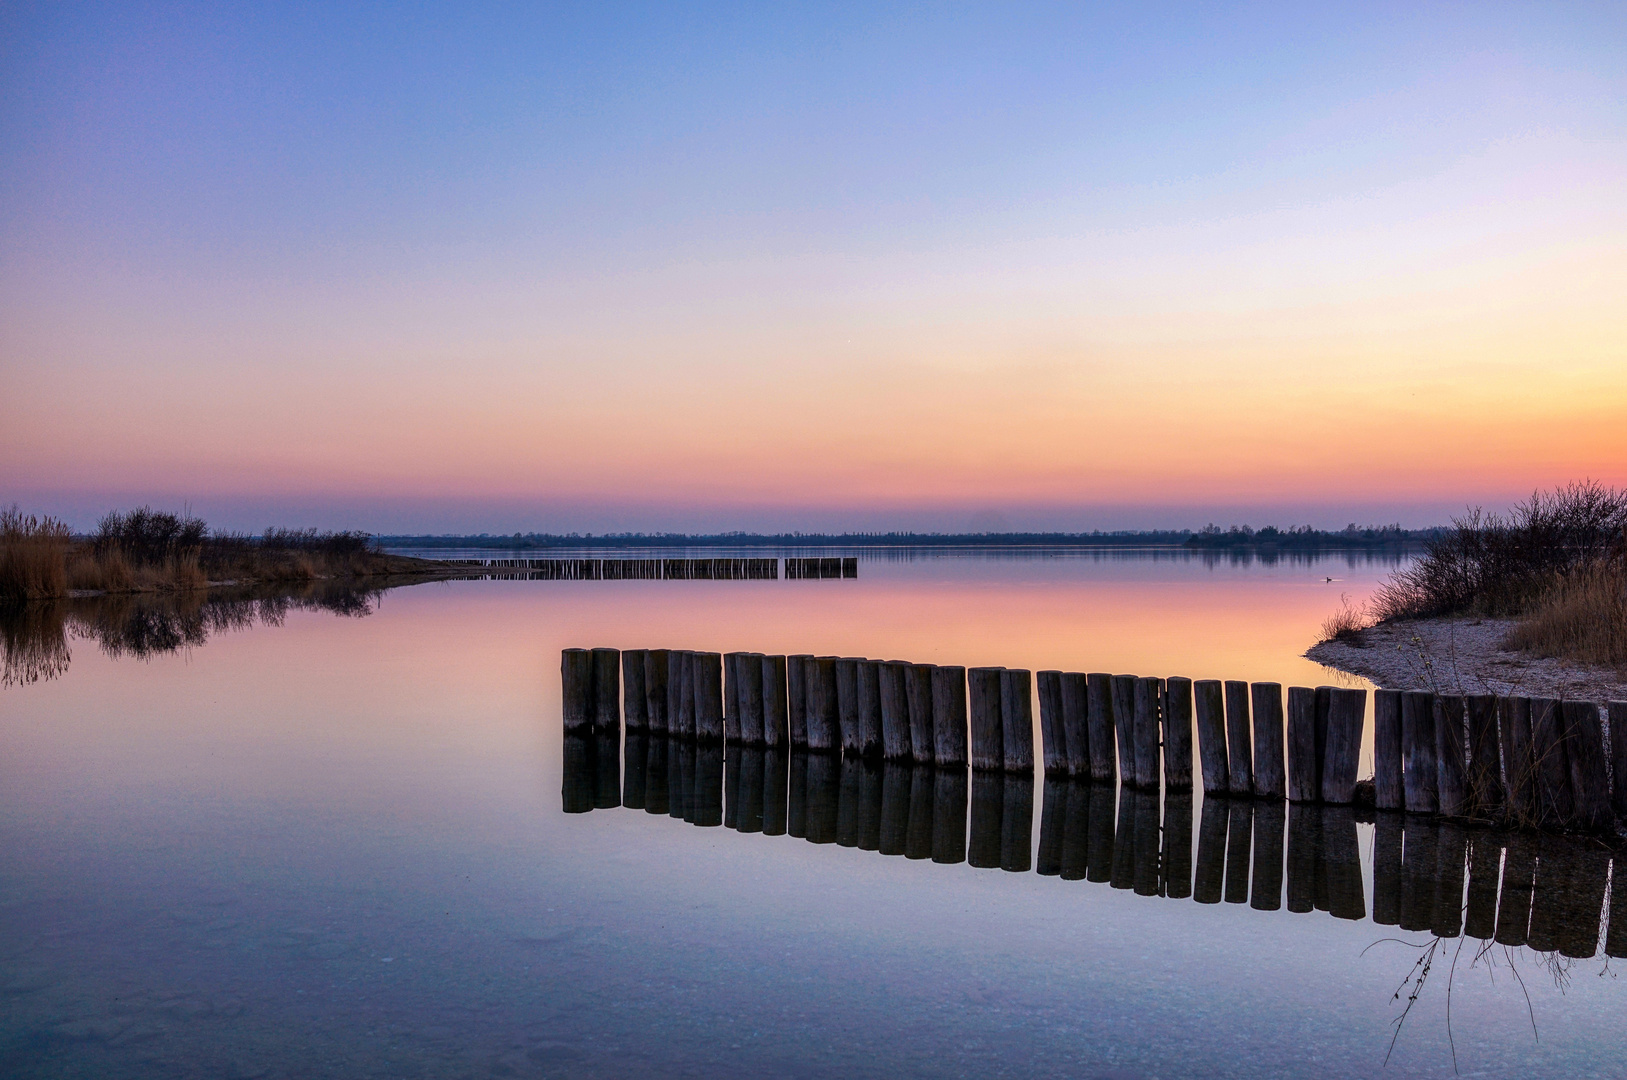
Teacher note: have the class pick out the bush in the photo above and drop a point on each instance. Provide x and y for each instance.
(149, 537)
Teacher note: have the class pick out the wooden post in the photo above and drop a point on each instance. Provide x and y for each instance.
(635, 768)
(1017, 725)
(1053, 738)
(1075, 722)
(949, 806)
(1420, 862)
(1176, 867)
(822, 793)
(1270, 819)
(607, 689)
(918, 837)
(988, 799)
(1239, 746)
(870, 805)
(895, 711)
(1485, 774)
(1451, 724)
(1519, 764)
(796, 686)
(1514, 900)
(709, 702)
(579, 775)
(847, 707)
(1387, 862)
(895, 807)
(1342, 855)
(1099, 840)
(988, 739)
(776, 714)
(1418, 774)
(1149, 695)
(576, 690)
(607, 759)
(633, 694)
(681, 695)
(1144, 839)
(1302, 745)
(796, 795)
(1449, 870)
(655, 690)
(1618, 794)
(1388, 792)
(1210, 707)
(1124, 852)
(1590, 783)
(918, 696)
(1304, 855)
(824, 729)
(657, 795)
(848, 793)
(749, 668)
(1485, 860)
(1177, 715)
(1343, 754)
(1552, 771)
(1017, 813)
(1124, 725)
(1052, 819)
(949, 716)
(1270, 777)
(731, 697)
(870, 709)
(1239, 835)
(1099, 725)
(1211, 869)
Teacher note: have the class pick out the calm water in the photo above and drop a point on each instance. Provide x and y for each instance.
(334, 844)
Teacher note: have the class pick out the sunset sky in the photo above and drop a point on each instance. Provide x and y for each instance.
(493, 268)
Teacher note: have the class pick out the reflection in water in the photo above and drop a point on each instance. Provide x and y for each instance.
(37, 637)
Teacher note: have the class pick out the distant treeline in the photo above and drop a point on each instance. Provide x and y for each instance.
(1211, 537)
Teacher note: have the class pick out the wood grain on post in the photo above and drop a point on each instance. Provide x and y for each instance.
(1552, 771)
(1149, 694)
(1124, 725)
(988, 737)
(634, 697)
(576, 691)
(895, 711)
(870, 708)
(1519, 765)
(1618, 794)
(607, 690)
(1324, 710)
(655, 690)
(749, 669)
(1590, 781)
(1239, 744)
(1302, 745)
(1209, 705)
(847, 707)
(731, 697)
(709, 705)
(1053, 738)
(1017, 725)
(1270, 774)
(918, 696)
(1418, 773)
(1177, 727)
(1485, 773)
(1342, 756)
(1099, 725)
(796, 696)
(824, 729)
(1388, 792)
(776, 714)
(949, 716)
(1451, 726)
(1075, 722)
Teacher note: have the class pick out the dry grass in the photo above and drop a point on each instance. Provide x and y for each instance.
(1346, 623)
(1581, 616)
(32, 556)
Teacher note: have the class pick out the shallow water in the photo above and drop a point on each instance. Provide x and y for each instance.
(337, 846)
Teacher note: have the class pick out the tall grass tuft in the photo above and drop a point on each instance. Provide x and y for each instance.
(1582, 616)
(1345, 624)
(33, 556)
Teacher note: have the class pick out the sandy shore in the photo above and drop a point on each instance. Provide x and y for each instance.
(1463, 655)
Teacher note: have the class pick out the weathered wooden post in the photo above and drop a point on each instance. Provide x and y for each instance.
(1618, 793)
(1177, 717)
(1017, 725)
(576, 690)
(1343, 753)
(776, 715)
(918, 698)
(796, 685)
(847, 707)
(731, 698)
(1552, 772)
(1149, 697)
(708, 667)
(1099, 725)
(1485, 773)
(1388, 792)
(870, 708)
(633, 694)
(1590, 782)
(1239, 745)
(1270, 777)
(1451, 721)
(949, 717)
(1302, 745)
(1324, 708)
(824, 729)
(1075, 722)
(656, 662)
(749, 668)
(1418, 773)
(681, 695)
(607, 689)
(1211, 716)
(1519, 765)
(988, 742)
(1124, 725)
(1053, 737)
(895, 711)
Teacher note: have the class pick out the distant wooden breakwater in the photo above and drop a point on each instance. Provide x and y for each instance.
(1429, 873)
(671, 569)
(1529, 761)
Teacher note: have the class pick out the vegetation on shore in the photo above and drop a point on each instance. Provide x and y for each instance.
(151, 551)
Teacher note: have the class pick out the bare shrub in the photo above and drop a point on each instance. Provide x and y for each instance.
(1346, 623)
(1581, 616)
(33, 556)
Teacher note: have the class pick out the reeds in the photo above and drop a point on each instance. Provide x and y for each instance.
(33, 556)
(1581, 616)
(1346, 623)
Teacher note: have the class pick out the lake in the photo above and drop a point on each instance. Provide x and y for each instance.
(330, 838)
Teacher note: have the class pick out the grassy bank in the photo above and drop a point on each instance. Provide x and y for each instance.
(146, 551)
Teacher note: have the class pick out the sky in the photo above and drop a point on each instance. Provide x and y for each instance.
(495, 268)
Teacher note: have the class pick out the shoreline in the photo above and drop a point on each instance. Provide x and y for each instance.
(1463, 654)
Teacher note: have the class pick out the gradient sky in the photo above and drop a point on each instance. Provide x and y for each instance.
(496, 268)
